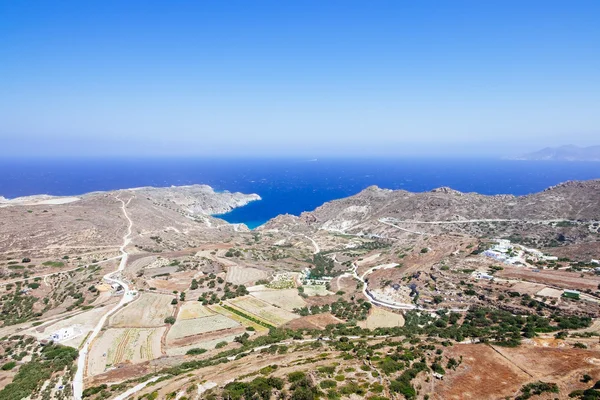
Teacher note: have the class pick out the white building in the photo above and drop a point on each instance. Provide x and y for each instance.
(495, 255)
(482, 275)
(63, 334)
(550, 258)
(503, 245)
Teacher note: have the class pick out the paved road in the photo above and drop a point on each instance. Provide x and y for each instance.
(113, 277)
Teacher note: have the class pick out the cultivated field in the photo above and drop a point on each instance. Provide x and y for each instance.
(191, 327)
(124, 345)
(244, 275)
(262, 310)
(316, 290)
(288, 299)
(381, 318)
(192, 310)
(245, 322)
(150, 310)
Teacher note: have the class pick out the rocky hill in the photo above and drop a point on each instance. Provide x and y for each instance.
(445, 209)
(175, 216)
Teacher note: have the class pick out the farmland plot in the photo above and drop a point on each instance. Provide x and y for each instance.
(316, 290)
(197, 326)
(380, 318)
(245, 322)
(288, 299)
(192, 310)
(124, 345)
(262, 310)
(243, 275)
(150, 310)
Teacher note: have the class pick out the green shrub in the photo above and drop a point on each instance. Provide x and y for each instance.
(296, 376)
(195, 351)
(328, 383)
(9, 365)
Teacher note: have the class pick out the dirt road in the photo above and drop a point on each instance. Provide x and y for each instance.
(127, 297)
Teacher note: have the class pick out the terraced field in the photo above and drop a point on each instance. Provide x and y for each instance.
(197, 326)
(124, 345)
(192, 310)
(150, 310)
(244, 275)
(288, 299)
(244, 321)
(262, 310)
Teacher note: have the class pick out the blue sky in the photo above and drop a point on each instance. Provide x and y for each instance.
(305, 77)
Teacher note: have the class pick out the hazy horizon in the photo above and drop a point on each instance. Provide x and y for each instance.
(298, 79)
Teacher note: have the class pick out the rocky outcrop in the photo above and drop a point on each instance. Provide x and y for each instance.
(198, 199)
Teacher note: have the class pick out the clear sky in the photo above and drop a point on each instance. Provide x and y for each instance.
(306, 77)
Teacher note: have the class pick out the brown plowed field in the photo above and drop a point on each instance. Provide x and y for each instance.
(497, 372)
(564, 279)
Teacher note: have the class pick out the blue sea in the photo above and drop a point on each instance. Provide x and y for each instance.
(286, 185)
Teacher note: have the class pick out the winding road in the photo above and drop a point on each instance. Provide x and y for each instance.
(394, 305)
(403, 229)
(127, 297)
(315, 245)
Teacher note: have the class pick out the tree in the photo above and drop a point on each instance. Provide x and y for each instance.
(170, 320)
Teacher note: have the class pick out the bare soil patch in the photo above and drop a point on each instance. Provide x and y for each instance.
(318, 321)
(564, 279)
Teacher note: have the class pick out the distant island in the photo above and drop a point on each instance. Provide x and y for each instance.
(564, 153)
